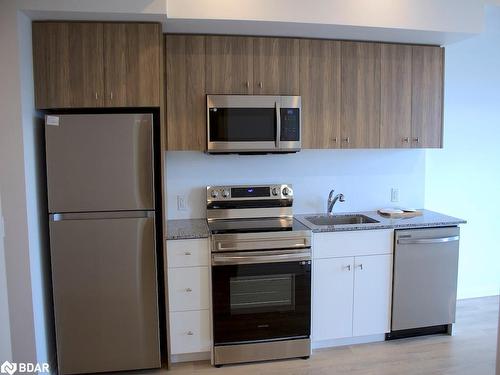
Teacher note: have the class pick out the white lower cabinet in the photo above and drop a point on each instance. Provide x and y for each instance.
(188, 276)
(372, 294)
(189, 332)
(332, 297)
(351, 293)
(188, 288)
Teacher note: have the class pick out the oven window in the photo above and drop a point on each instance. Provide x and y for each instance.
(259, 294)
(242, 124)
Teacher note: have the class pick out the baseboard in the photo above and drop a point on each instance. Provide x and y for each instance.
(347, 341)
(190, 357)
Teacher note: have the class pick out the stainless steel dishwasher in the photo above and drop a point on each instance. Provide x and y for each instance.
(425, 281)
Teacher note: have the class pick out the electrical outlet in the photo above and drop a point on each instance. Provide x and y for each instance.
(182, 204)
(394, 195)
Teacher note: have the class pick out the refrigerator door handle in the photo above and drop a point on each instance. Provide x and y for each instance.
(101, 215)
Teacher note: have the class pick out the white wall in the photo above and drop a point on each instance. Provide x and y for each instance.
(13, 191)
(463, 179)
(5, 347)
(364, 176)
(33, 129)
(404, 14)
(412, 21)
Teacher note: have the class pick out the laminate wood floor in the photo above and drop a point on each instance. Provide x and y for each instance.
(470, 351)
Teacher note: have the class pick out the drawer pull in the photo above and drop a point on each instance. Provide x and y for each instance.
(190, 333)
(189, 290)
(187, 253)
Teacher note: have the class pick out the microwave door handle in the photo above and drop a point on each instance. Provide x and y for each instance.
(278, 124)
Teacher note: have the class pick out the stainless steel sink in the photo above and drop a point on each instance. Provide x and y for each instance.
(340, 219)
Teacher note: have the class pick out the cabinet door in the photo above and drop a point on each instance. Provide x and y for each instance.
(427, 97)
(68, 65)
(186, 101)
(372, 294)
(276, 66)
(360, 95)
(132, 64)
(332, 298)
(320, 91)
(190, 332)
(395, 100)
(229, 65)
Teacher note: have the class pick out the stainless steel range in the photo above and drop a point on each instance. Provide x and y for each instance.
(261, 274)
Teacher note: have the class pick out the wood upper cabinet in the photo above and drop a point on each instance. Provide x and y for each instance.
(185, 92)
(427, 96)
(276, 66)
(92, 64)
(68, 64)
(132, 64)
(396, 95)
(360, 109)
(229, 65)
(320, 91)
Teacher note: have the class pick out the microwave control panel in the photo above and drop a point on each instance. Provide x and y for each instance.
(290, 124)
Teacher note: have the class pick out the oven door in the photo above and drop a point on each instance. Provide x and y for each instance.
(253, 123)
(261, 296)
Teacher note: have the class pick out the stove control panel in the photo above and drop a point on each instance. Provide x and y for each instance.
(249, 192)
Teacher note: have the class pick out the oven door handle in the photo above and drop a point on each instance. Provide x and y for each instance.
(224, 259)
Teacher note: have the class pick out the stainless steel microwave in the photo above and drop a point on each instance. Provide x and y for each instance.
(253, 124)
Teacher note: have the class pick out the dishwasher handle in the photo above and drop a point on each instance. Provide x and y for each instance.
(410, 241)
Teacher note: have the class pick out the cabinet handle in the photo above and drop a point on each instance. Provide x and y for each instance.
(334, 139)
(187, 253)
(417, 139)
(406, 139)
(346, 139)
(247, 84)
(189, 290)
(96, 96)
(360, 266)
(190, 333)
(348, 267)
(111, 95)
(261, 85)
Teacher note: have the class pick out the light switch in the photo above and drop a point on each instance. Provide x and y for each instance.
(394, 195)
(182, 204)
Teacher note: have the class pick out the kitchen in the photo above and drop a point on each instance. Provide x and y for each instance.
(382, 146)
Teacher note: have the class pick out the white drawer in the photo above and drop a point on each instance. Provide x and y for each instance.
(188, 288)
(190, 332)
(352, 243)
(187, 253)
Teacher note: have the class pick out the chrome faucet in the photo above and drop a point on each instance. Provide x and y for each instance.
(332, 200)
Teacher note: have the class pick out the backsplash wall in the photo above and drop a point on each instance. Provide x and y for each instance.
(365, 177)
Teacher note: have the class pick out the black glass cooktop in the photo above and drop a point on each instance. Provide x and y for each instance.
(255, 225)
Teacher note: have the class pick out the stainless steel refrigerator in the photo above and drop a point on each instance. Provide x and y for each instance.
(100, 184)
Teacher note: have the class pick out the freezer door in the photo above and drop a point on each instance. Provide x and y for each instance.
(425, 277)
(100, 162)
(105, 293)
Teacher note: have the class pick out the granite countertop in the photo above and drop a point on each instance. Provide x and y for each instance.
(197, 228)
(187, 229)
(427, 219)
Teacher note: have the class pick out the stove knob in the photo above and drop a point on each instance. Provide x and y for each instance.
(215, 193)
(275, 191)
(286, 191)
(225, 193)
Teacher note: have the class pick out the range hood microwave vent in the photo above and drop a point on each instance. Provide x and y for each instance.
(253, 124)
